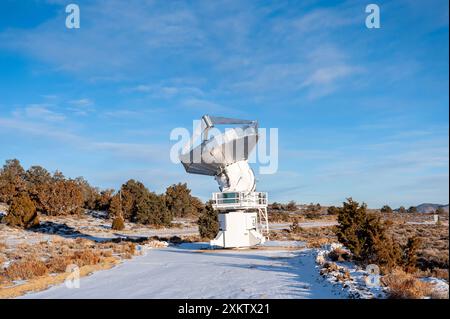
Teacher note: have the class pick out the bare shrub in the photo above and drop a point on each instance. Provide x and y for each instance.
(125, 249)
(313, 211)
(58, 264)
(295, 227)
(440, 273)
(26, 269)
(406, 286)
(279, 217)
(86, 257)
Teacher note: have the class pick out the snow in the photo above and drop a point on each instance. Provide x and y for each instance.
(192, 271)
(356, 286)
(440, 286)
(284, 243)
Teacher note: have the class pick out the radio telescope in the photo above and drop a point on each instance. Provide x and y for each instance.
(242, 211)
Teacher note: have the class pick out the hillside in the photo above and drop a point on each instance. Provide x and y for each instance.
(429, 208)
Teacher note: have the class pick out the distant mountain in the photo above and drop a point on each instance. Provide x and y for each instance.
(429, 208)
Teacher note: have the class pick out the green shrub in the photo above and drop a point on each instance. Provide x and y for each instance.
(132, 192)
(366, 236)
(151, 209)
(332, 210)
(386, 209)
(115, 206)
(118, 223)
(180, 202)
(291, 206)
(208, 222)
(22, 212)
(410, 253)
(12, 180)
(412, 210)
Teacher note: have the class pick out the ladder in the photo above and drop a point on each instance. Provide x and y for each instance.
(263, 222)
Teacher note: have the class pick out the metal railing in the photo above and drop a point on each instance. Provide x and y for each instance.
(239, 200)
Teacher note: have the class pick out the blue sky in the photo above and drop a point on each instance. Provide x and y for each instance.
(360, 112)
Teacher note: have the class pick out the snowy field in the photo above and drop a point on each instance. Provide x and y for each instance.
(188, 271)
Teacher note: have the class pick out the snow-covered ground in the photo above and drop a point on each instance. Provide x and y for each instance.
(324, 223)
(188, 271)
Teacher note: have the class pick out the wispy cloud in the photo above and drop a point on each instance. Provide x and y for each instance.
(166, 91)
(205, 106)
(56, 133)
(149, 152)
(43, 112)
(82, 103)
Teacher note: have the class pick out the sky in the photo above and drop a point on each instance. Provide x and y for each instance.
(360, 112)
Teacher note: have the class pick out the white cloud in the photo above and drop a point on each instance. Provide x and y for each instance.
(42, 112)
(85, 102)
(166, 91)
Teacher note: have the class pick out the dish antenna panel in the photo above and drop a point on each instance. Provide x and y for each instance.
(242, 211)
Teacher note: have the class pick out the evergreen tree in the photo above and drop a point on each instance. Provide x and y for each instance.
(366, 236)
(89, 193)
(115, 210)
(179, 200)
(115, 207)
(410, 253)
(151, 209)
(208, 222)
(12, 180)
(386, 209)
(132, 192)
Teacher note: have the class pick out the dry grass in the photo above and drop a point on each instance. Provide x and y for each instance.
(26, 269)
(43, 282)
(32, 267)
(32, 261)
(433, 254)
(406, 286)
(314, 237)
